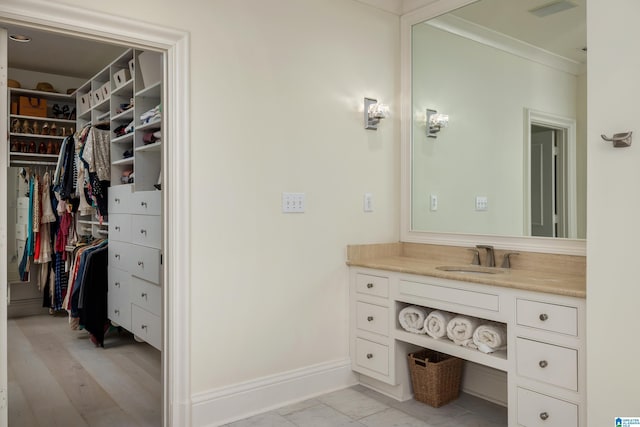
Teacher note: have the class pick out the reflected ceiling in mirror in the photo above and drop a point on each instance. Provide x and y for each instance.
(500, 73)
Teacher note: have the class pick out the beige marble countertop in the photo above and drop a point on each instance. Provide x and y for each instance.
(566, 279)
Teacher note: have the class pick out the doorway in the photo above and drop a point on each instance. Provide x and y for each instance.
(549, 176)
(174, 45)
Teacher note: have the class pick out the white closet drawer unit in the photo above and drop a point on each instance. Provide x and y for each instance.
(539, 410)
(118, 298)
(147, 203)
(120, 227)
(146, 230)
(23, 203)
(146, 264)
(146, 295)
(373, 356)
(372, 318)
(549, 317)
(121, 255)
(372, 285)
(548, 363)
(120, 199)
(146, 326)
(22, 216)
(21, 231)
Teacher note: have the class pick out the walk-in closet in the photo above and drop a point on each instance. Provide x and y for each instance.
(84, 231)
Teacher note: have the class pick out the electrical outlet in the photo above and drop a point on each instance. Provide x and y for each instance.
(482, 203)
(433, 204)
(292, 202)
(368, 202)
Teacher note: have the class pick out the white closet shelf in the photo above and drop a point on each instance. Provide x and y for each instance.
(126, 114)
(86, 221)
(30, 92)
(33, 135)
(153, 91)
(33, 155)
(126, 86)
(123, 139)
(50, 119)
(101, 105)
(153, 125)
(127, 161)
(156, 146)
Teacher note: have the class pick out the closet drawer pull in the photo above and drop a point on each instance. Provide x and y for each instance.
(117, 284)
(143, 326)
(544, 416)
(143, 295)
(543, 363)
(117, 256)
(116, 311)
(117, 228)
(370, 318)
(543, 317)
(369, 356)
(143, 231)
(369, 285)
(141, 264)
(116, 200)
(143, 204)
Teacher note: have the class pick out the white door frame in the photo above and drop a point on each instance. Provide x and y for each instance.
(568, 126)
(175, 180)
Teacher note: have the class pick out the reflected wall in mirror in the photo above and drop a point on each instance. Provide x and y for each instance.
(505, 77)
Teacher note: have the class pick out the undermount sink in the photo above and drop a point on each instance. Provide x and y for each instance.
(469, 269)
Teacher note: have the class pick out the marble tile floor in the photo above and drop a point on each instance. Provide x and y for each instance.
(359, 406)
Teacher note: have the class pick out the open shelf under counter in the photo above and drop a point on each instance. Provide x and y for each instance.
(497, 360)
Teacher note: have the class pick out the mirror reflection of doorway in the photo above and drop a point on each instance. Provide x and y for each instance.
(549, 193)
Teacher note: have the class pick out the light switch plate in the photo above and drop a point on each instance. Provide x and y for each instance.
(292, 202)
(368, 202)
(482, 203)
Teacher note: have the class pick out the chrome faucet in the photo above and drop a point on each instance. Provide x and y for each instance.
(491, 259)
(506, 262)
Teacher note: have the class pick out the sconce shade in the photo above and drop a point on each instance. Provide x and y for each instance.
(435, 122)
(373, 113)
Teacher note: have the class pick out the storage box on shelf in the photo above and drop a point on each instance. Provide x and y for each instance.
(38, 123)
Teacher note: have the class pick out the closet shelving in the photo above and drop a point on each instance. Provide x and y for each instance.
(36, 140)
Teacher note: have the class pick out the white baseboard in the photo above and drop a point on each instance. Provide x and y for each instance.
(231, 403)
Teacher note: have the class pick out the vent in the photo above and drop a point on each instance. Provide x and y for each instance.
(552, 8)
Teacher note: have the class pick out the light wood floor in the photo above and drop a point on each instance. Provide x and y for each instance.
(57, 377)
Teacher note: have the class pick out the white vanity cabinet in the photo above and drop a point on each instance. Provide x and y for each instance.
(135, 237)
(545, 356)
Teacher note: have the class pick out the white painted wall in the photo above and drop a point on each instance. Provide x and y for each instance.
(613, 271)
(485, 92)
(277, 93)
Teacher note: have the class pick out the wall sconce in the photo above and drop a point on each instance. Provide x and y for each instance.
(435, 122)
(373, 113)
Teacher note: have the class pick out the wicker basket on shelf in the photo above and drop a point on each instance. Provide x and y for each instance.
(435, 377)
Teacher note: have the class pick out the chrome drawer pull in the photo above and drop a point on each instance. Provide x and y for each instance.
(143, 295)
(140, 263)
(117, 228)
(543, 364)
(544, 416)
(370, 318)
(116, 200)
(117, 284)
(369, 285)
(142, 231)
(543, 317)
(143, 204)
(117, 312)
(143, 326)
(118, 256)
(369, 356)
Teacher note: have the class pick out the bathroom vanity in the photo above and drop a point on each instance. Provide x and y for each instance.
(541, 300)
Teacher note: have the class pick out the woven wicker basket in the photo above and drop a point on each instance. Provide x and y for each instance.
(435, 377)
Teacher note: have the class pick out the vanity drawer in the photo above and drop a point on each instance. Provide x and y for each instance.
(147, 295)
(145, 263)
(372, 318)
(146, 326)
(372, 356)
(549, 317)
(146, 230)
(539, 410)
(120, 227)
(451, 295)
(372, 285)
(548, 363)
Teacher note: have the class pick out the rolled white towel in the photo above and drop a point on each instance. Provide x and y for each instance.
(490, 337)
(436, 323)
(412, 318)
(460, 330)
